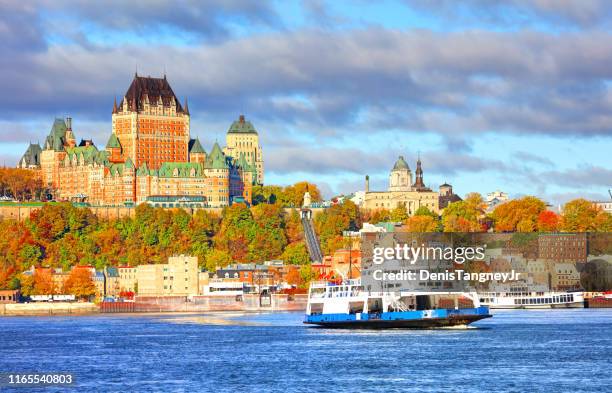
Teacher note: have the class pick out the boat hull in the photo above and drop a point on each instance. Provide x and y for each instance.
(401, 320)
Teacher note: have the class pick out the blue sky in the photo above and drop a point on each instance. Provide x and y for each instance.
(514, 96)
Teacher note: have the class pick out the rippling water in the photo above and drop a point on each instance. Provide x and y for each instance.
(515, 351)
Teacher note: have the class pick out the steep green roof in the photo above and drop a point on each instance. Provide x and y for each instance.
(143, 170)
(216, 159)
(54, 140)
(401, 164)
(31, 155)
(241, 126)
(128, 163)
(180, 169)
(113, 142)
(196, 147)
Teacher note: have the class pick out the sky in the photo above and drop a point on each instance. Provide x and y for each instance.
(513, 96)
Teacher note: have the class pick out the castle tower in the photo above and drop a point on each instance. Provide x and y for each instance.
(70, 139)
(151, 124)
(243, 138)
(113, 146)
(400, 176)
(196, 151)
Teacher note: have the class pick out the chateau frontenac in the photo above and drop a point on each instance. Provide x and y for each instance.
(149, 157)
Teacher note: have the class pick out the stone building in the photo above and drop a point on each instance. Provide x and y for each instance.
(149, 154)
(402, 190)
(178, 277)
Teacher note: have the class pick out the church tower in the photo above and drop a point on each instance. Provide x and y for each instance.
(400, 177)
(419, 185)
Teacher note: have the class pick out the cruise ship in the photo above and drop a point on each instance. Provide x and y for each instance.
(348, 305)
(527, 297)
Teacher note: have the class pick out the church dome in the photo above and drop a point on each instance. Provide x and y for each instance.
(401, 164)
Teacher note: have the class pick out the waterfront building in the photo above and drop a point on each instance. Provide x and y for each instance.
(565, 277)
(127, 278)
(563, 247)
(179, 277)
(9, 296)
(149, 155)
(112, 282)
(402, 190)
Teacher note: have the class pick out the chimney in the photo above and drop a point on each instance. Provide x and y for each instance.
(69, 123)
(367, 184)
(242, 118)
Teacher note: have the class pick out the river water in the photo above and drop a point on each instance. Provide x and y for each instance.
(515, 351)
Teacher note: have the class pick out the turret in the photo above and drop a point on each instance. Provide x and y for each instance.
(70, 140)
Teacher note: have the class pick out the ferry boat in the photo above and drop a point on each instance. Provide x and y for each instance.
(348, 305)
(526, 297)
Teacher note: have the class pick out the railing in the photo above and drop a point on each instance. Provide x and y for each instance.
(312, 243)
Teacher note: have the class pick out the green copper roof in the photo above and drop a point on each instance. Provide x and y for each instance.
(401, 164)
(241, 126)
(31, 155)
(113, 142)
(181, 169)
(89, 154)
(216, 159)
(143, 170)
(196, 147)
(54, 140)
(128, 163)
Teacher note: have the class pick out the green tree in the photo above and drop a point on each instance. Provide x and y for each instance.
(399, 214)
(296, 254)
(217, 259)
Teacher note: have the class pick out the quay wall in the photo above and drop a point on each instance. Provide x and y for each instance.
(276, 302)
(53, 308)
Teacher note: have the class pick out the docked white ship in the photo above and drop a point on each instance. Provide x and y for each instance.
(530, 297)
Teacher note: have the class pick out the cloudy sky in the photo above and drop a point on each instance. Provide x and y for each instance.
(515, 97)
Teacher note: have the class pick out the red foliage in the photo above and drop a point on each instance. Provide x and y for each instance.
(548, 221)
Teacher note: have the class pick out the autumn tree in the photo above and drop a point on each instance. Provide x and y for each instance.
(333, 221)
(518, 215)
(21, 184)
(43, 282)
(294, 195)
(80, 283)
(296, 254)
(374, 216)
(294, 277)
(422, 224)
(293, 227)
(266, 194)
(216, 259)
(399, 213)
(464, 216)
(307, 274)
(581, 215)
(548, 221)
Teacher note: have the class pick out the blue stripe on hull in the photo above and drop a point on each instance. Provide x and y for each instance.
(438, 314)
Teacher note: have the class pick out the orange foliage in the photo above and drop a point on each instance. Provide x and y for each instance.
(80, 283)
(548, 221)
(43, 282)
